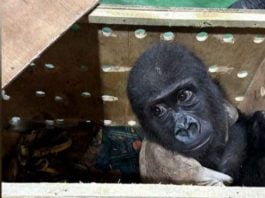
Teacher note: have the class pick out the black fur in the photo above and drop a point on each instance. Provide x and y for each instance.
(195, 126)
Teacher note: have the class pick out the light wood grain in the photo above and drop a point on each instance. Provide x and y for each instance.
(187, 17)
(30, 26)
(79, 190)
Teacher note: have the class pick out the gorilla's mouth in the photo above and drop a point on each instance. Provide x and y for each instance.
(201, 145)
(191, 130)
(197, 145)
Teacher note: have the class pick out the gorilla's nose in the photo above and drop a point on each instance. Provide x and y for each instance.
(186, 128)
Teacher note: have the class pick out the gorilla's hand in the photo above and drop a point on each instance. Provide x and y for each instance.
(159, 165)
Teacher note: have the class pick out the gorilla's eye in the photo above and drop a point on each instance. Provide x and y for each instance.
(184, 95)
(158, 110)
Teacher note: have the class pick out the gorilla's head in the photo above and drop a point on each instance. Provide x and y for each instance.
(176, 102)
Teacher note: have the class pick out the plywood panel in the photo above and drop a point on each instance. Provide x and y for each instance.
(114, 52)
(75, 59)
(242, 54)
(30, 26)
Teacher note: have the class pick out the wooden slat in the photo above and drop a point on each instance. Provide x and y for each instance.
(131, 15)
(30, 26)
(79, 190)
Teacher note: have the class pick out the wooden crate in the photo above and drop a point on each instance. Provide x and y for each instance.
(84, 75)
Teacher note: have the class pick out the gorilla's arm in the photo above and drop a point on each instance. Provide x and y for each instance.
(235, 152)
(244, 157)
(253, 173)
(159, 165)
(257, 132)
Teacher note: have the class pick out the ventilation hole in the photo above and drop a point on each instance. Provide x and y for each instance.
(239, 98)
(88, 121)
(107, 122)
(242, 74)
(75, 27)
(86, 94)
(106, 68)
(14, 121)
(40, 93)
(259, 38)
(213, 69)
(58, 98)
(140, 33)
(83, 67)
(107, 98)
(5, 96)
(49, 122)
(202, 36)
(131, 123)
(59, 121)
(49, 66)
(228, 38)
(106, 31)
(115, 68)
(168, 36)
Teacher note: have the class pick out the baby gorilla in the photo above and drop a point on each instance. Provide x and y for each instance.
(181, 108)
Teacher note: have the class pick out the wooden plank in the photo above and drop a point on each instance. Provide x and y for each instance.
(79, 190)
(30, 26)
(132, 15)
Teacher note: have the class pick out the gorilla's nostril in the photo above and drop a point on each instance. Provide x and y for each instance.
(182, 132)
(193, 128)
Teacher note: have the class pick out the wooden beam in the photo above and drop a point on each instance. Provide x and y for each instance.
(78, 190)
(30, 26)
(132, 15)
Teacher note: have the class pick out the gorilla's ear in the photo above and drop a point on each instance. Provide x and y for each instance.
(232, 113)
(231, 117)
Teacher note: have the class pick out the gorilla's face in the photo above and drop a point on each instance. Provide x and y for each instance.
(179, 117)
(175, 100)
